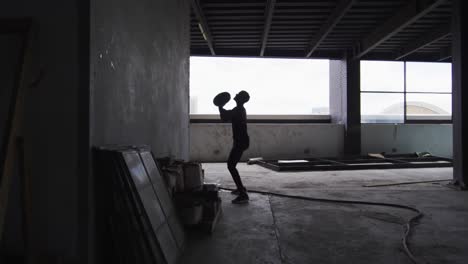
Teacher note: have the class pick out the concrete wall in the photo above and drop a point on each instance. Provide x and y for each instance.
(139, 87)
(398, 138)
(116, 72)
(51, 127)
(140, 74)
(338, 84)
(345, 99)
(212, 142)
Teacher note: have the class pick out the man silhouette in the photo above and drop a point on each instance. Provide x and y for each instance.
(238, 117)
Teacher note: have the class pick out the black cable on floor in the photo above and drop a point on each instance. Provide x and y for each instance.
(405, 183)
(408, 224)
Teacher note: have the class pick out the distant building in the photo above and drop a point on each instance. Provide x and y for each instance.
(415, 108)
(320, 111)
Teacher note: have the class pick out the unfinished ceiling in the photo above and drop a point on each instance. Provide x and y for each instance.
(364, 29)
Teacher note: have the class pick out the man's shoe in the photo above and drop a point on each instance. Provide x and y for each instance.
(241, 199)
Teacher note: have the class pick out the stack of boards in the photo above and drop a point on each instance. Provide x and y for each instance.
(136, 220)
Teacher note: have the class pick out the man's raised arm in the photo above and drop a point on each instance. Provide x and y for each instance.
(226, 115)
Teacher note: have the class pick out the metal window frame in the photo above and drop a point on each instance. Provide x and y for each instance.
(275, 119)
(405, 114)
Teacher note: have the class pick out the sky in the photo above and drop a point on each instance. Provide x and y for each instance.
(301, 86)
(276, 86)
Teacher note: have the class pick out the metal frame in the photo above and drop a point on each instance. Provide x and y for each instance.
(203, 25)
(407, 15)
(445, 54)
(277, 119)
(435, 35)
(339, 12)
(405, 111)
(270, 8)
(266, 121)
(400, 161)
(374, 29)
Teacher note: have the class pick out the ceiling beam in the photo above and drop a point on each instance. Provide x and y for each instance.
(270, 8)
(335, 17)
(203, 25)
(445, 54)
(405, 16)
(427, 39)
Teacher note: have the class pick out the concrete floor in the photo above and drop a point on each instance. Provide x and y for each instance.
(281, 230)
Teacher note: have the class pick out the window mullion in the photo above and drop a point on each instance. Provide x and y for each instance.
(404, 94)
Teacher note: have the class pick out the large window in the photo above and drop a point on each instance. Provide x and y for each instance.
(276, 86)
(399, 92)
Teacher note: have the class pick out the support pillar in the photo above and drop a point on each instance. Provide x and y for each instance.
(460, 92)
(345, 101)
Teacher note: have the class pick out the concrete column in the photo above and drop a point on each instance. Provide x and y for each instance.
(460, 93)
(345, 101)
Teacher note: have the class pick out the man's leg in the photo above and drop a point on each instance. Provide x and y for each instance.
(234, 158)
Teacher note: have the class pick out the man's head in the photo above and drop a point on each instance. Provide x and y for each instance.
(242, 97)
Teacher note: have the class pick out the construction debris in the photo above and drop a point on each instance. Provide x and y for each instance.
(198, 204)
(136, 218)
(141, 208)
